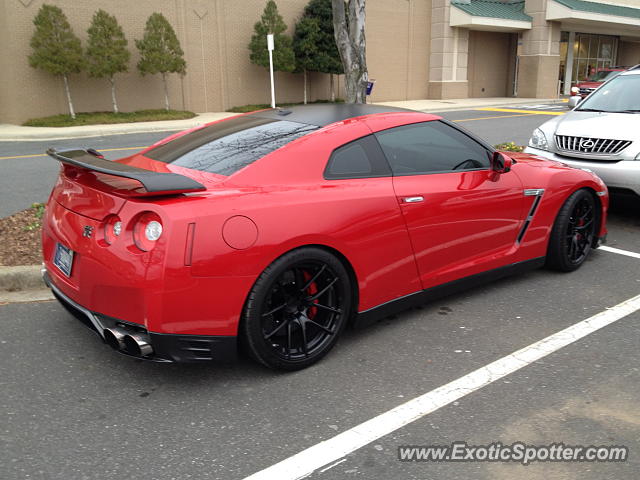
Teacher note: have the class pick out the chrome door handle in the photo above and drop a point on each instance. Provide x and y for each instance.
(412, 199)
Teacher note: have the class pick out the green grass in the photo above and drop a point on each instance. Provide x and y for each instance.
(262, 106)
(98, 118)
(38, 210)
(509, 147)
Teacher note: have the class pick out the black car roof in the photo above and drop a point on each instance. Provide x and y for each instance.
(324, 114)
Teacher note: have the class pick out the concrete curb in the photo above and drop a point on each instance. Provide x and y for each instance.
(23, 277)
(13, 133)
(22, 284)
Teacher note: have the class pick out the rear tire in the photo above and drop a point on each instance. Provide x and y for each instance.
(297, 309)
(573, 232)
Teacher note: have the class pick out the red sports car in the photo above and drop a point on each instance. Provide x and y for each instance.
(276, 229)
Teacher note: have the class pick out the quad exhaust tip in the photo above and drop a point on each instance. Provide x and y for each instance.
(136, 344)
(115, 338)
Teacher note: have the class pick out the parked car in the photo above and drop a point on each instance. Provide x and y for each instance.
(580, 91)
(602, 134)
(278, 228)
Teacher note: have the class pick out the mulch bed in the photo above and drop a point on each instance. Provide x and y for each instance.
(20, 239)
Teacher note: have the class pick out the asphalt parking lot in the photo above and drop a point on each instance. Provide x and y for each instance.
(74, 409)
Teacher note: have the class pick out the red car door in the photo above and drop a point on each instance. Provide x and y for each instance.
(463, 218)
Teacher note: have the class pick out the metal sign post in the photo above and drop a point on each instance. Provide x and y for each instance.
(270, 48)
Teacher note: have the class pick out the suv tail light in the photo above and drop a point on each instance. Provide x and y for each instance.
(147, 231)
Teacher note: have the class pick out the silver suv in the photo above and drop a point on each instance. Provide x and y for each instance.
(601, 134)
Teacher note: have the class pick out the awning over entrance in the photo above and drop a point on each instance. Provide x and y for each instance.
(496, 16)
(581, 12)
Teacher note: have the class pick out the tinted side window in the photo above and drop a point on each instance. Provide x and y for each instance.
(431, 147)
(361, 158)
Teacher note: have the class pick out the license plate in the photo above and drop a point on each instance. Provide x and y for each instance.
(63, 259)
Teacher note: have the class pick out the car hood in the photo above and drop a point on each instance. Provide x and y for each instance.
(623, 126)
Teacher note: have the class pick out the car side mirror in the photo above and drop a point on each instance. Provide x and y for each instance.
(501, 163)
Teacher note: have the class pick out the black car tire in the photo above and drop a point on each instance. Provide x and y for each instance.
(573, 232)
(282, 325)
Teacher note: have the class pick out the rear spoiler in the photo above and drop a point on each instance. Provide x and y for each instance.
(156, 183)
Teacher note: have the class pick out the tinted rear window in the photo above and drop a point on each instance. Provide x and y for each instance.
(226, 147)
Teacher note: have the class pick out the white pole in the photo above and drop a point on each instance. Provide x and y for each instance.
(270, 48)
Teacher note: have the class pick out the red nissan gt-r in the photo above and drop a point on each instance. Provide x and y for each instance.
(276, 229)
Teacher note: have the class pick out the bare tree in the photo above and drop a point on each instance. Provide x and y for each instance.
(350, 38)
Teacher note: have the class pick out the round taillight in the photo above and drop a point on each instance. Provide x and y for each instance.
(147, 231)
(112, 229)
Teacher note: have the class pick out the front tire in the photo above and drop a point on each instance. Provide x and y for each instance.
(573, 233)
(297, 309)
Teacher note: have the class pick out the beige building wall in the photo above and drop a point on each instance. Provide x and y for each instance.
(490, 59)
(540, 54)
(629, 53)
(214, 35)
(448, 56)
(239, 81)
(398, 39)
(412, 53)
(4, 60)
(41, 94)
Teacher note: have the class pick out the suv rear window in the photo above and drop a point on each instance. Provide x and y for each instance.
(226, 147)
(602, 75)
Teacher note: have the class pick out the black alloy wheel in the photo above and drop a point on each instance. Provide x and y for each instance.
(297, 308)
(579, 233)
(573, 232)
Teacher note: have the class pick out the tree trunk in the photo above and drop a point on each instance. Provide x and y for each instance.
(304, 72)
(66, 89)
(351, 42)
(333, 89)
(113, 95)
(166, 91)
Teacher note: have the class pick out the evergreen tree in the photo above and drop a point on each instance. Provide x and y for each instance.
(56, 49)
(305, 47)
(272, 23)
(328, 58)
(107, 52)
(160, 51)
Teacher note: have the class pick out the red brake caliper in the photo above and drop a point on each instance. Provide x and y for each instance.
(312, 290)
(580, 224)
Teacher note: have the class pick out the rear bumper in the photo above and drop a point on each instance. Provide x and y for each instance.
(154, 290)
(167, 348)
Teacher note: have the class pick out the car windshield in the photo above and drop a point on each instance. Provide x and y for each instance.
(618, 95)
(226, 147)
(602, 75)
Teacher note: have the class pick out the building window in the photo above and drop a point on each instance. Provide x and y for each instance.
(592, 53)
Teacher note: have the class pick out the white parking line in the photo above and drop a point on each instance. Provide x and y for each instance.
(307, 461)
(619, 252)
(333, 465)
(544, 107)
